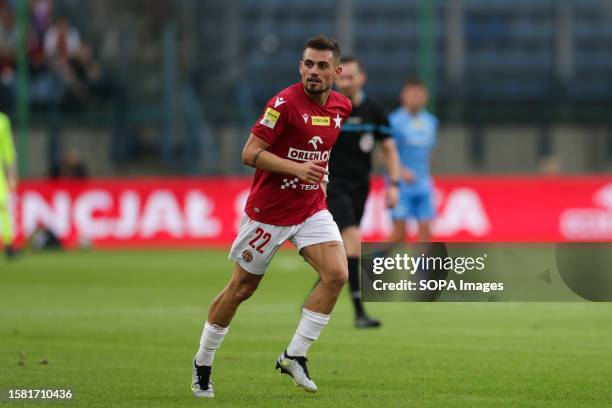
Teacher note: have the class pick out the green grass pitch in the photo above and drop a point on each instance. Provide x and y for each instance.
(120, 330)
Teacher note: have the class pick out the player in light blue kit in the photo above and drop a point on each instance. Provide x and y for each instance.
(414, 130)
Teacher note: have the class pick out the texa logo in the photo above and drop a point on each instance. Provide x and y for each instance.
(314, 141)
(289, 183)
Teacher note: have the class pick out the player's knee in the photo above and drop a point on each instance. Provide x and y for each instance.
(335, 277)
(241, 291)
(244, 293)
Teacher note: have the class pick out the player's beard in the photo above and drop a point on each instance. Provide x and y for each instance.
(316, 91)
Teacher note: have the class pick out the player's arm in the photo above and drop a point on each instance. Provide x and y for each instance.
(435, 142)
(255, 154)
(406, 174)
(390, 156)
(392, 163)
(391, 159)
(325, 181)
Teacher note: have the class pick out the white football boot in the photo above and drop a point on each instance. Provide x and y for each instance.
(201, 384)
(296, 368)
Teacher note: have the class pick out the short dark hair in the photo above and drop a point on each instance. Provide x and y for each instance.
(413, 82)
(350, 59)
(324, 43)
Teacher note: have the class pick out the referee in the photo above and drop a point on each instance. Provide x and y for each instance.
(349, 169)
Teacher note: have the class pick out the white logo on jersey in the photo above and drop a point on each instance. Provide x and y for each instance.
(279, 102)
(366, 142)
(289, 183)
(314, 141)
(305, 116)
(307, 155)
(337, 121)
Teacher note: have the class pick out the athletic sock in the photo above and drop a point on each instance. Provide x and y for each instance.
(212, 337)
(308, 330)
(353, 278)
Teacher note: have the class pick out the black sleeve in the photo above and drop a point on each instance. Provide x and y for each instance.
(382, 130)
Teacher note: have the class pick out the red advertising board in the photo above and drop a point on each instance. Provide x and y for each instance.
(206, 211)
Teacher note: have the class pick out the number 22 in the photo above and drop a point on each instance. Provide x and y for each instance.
(264, 236)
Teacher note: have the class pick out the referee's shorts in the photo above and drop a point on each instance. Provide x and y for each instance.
(346, 201)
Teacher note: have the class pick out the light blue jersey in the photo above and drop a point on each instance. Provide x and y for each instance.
(415, 137)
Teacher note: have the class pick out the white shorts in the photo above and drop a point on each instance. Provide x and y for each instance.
(256, 243)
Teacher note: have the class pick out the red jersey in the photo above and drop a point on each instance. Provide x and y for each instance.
(300, 130)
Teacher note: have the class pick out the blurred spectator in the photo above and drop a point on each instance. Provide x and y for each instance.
(41, 11)
(36, 54)
(73, 61)
(62, 41)
(44, 88)
(7, 46)
(63, 70)
(550, 165)
(70, 166)
(85, 64)
(96, 82)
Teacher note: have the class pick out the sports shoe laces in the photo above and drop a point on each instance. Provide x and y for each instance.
(302, 362)
(203, 374)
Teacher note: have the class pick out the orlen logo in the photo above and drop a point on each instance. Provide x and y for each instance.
(314, 141)
(306, 155)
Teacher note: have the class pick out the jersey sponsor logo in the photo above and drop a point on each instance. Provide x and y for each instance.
(289, 183)
(295, 182)
(366, 142)
(279, 101)
(320, 120)
(337, 121)
(270, 118)
(305, 116)
(417, 124)
(306, 155)
(314, 141)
